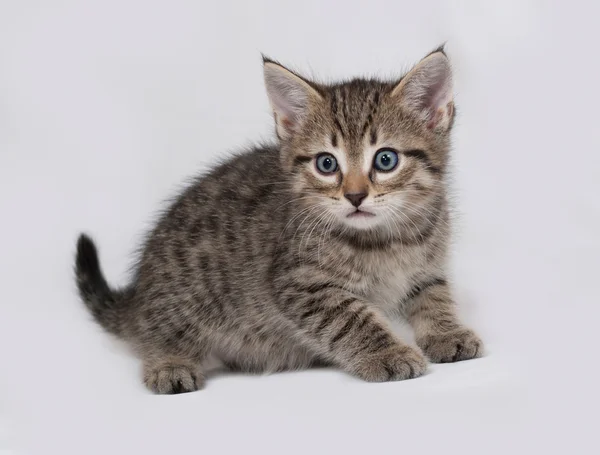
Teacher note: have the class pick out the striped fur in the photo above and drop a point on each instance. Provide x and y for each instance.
(258, 263)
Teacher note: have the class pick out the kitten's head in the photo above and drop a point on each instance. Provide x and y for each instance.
(366, 154)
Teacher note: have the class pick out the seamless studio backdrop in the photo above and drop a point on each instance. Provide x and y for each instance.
(107, 107)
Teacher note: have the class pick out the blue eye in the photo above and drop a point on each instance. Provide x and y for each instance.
(326, 163)
(386, 160)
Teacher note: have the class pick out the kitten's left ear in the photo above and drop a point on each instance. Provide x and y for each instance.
(427, 91)
(290, 97)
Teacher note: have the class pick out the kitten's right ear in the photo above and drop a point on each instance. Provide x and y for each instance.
(290, 97)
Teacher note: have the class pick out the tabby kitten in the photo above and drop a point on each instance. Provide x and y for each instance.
(296, 254)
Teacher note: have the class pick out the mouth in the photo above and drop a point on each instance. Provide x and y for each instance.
(360, 214)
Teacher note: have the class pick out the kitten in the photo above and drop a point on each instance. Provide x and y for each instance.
(295, 254)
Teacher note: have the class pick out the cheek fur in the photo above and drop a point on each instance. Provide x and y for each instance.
(395, 180)
(324, 186)
(411, 184)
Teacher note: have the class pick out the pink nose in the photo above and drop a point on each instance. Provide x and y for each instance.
(355, 198)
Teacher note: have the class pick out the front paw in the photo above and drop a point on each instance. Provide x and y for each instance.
(393, 364)
(453, 346)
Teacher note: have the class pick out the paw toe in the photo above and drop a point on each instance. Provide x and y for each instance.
(173, 379)
(395, 365)
(454, 346)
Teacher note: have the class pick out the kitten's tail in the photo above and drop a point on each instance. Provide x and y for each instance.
(105, 304)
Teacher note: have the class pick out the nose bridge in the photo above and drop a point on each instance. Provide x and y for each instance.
(355, 181)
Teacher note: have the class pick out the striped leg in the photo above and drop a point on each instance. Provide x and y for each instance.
(351, 334)
(431, 312)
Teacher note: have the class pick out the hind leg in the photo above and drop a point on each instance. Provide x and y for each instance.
(172, 353)
(170, 375)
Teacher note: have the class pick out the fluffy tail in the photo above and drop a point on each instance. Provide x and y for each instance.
(105, 304)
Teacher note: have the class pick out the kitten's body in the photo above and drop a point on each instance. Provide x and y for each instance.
(249, 267)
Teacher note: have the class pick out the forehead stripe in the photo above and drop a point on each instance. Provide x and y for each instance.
(334, 111)
(373, 105)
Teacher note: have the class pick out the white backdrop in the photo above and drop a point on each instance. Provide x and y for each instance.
(106, 108)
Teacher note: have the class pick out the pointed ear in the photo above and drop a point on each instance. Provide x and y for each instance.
(427, 91)
(290, 97)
